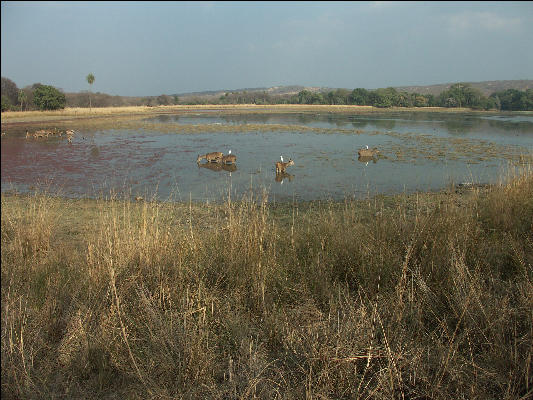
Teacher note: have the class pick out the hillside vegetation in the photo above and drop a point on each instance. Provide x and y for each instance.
(486, 88)
(495, 95)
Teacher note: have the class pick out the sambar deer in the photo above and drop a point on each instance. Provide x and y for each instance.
(229, 159)
(215, 156)
(368, 152)
(282, 166)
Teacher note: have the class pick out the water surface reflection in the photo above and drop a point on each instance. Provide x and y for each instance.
(418, 151)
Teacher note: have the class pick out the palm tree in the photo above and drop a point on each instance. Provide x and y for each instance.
(90, 80)
(23, 97)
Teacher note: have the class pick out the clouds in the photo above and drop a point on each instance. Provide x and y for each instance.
(469, 21)
(138, 48)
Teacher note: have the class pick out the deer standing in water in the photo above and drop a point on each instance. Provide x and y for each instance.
(229, 159)
(368, 152)
(215, 156)
(282, 166)
(41, 133)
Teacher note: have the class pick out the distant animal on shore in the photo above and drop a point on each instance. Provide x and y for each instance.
(215, 156)
(282, 166)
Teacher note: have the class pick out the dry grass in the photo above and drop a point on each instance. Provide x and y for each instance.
(77, 112)
(422, 296)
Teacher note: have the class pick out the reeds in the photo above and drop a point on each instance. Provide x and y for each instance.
(420, 296)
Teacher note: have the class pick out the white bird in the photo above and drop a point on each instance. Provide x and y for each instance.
(366, 148)
(229, 152)
(281, 158)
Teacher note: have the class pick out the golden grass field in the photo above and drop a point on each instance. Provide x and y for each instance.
(421, 296)
(43, 116)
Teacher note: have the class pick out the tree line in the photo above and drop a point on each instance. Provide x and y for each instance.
(459, 95)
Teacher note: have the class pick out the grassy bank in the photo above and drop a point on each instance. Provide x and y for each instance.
(421, 296)
(71, 114)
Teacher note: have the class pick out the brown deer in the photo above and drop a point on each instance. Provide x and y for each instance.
(215, 156)
(229, 159)
(368, 152)
(282, 166)
(40, 133)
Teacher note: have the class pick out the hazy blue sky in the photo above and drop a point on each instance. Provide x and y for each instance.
(147, 49)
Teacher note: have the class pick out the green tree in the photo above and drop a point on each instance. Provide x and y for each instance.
(339, 96)
(359, 97)
(10, 90)
(6, 104)
(404, 99)
(23, 98)
(164, 100)
(90, 81)
(420, 101)
(462, 95)
(432, 101)
(515, 100)
(304, 97)
(383, 98)
(48, 98)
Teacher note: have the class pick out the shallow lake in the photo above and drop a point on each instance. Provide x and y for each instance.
(156, 156)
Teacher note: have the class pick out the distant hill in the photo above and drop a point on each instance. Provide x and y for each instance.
(104, 100)
(486, 87)
(275, 90)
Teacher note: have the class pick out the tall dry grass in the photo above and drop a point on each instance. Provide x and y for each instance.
(420, 297)
(81, 112)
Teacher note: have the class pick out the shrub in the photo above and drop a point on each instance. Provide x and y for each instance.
(5, 103)
(48, 98)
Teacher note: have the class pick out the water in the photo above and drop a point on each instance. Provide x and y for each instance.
(418, 151)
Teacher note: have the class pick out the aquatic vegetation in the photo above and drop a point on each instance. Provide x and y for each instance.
(396, 144)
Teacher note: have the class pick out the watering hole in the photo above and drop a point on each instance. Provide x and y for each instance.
(156, 156)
